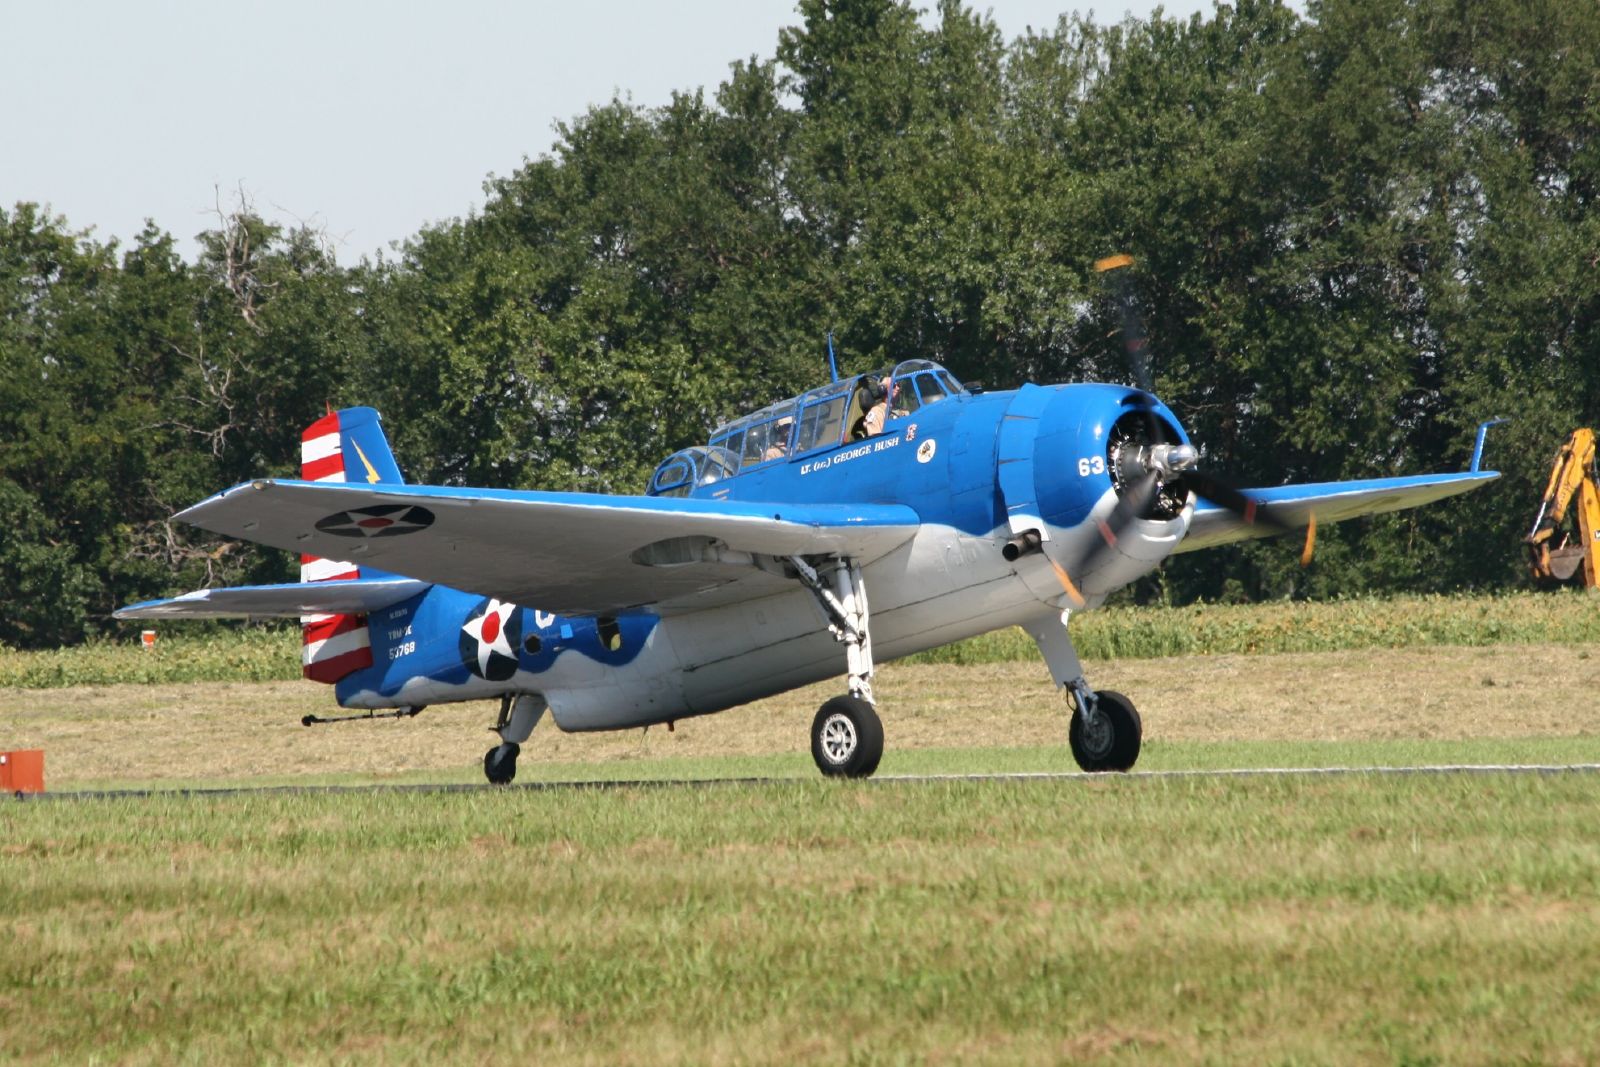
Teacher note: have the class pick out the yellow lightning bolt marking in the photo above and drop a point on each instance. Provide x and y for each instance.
(372, 474)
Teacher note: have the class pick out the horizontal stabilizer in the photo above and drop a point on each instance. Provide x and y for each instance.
(1294, 505)
(293, 600)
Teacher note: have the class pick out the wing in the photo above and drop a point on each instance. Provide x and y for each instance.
(572, 553)
(1294, 505)
(292, 600)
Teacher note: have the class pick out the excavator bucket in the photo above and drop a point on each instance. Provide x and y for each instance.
(1565, 562)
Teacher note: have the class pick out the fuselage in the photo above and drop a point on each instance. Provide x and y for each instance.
(978, 469)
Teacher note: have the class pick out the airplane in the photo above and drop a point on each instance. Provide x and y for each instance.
(744, 568)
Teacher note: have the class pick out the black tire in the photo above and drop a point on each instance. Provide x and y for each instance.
(1112, 744)
(500, 763)
(847, 738)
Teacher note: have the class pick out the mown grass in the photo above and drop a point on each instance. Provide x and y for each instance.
(1413, 920)
(1157, 755)
(1369, 918)
(271, 653)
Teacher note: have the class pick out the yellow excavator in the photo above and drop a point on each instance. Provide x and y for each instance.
(1554, 549)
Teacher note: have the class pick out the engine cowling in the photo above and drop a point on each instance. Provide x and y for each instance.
(1068, 456)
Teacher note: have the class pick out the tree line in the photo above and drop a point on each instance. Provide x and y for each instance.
(1359, 232)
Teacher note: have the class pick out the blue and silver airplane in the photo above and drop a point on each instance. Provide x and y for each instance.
(744, 568)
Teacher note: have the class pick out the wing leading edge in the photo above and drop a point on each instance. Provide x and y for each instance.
(1295, 505)
(570, 553)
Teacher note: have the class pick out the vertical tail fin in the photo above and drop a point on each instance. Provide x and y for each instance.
(346, 445)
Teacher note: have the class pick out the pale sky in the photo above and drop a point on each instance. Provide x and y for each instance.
(369, 118)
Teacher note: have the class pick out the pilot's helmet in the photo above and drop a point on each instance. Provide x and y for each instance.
(874, 388)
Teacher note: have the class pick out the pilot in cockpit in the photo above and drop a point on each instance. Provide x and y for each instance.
(869, 407)
(778, 447)
(878, 414)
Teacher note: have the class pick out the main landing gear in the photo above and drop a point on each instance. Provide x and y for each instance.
(519, 714)
(846, 735)
(847, 738)
(1106, 733)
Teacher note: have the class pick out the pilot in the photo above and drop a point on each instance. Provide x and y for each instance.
(869, 396)
(878, 414)
(779, 446)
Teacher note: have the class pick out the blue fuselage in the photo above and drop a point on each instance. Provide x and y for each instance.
(977, 469)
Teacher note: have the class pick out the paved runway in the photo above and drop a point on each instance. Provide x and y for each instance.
(879, 782)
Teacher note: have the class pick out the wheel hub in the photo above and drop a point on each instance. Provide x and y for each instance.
(838, 738)
(1098, 735)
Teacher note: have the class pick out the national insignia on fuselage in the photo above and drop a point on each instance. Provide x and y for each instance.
(489, 640)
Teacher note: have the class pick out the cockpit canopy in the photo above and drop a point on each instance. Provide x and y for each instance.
(825, 417)
(918, 382)
(683, 472)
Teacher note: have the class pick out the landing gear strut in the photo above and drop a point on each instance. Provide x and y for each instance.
(1106, 731)
(519, 714)
(846, 735)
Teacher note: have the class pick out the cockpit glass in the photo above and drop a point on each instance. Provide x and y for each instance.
(919, 382)
(929, 388)
(719, 464)
(831, 413)
(683, 472)
(755, 444)
(762, 437)
(670, 475)
(822, 417)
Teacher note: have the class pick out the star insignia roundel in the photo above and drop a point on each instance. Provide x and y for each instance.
(386, 520)
(489, 640)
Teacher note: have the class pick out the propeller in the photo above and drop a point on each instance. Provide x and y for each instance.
(1134, 338)
(1148, 470)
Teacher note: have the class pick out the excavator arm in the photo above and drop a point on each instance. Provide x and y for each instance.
(1554, 553)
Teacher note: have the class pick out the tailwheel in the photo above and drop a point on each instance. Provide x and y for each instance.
(847, 738)
(1109, 738)
(500, 763)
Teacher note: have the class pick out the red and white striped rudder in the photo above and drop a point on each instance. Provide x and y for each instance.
(334, 645)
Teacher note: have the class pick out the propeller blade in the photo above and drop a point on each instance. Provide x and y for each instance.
(1135, 341)
(1222, 494)
(1135, 501)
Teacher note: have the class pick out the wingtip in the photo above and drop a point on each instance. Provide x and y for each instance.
(257, 484)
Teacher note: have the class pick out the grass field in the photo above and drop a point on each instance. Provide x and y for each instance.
(1449, 920)
(1365, 919)
(1506, 703)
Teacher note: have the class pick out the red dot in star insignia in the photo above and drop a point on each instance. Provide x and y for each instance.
(375, 523)
(491, 628)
